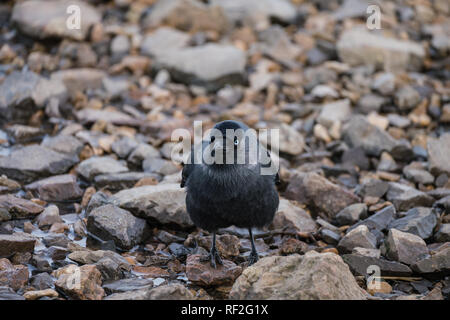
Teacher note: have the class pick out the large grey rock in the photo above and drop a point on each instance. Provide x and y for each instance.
(49, 20)
(439, 154)
(405, 197)
(164, 203)
(210, 65)
(11, 244)
(112, 223)
(317, 191)
(405, 247)
(419, 221)
(358, 237)
(94, 166)
(358, 132)
(359, 46)
(291, 216)
(31, 162)
(312, 276)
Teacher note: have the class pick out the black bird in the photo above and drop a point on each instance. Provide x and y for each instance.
(221, 195)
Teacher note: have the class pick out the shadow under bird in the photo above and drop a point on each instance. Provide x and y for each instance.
(220, 194)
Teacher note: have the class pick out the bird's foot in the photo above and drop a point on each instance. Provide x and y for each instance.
(213, 257)
(253, 258)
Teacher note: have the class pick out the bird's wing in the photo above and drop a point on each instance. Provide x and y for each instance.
(189, 166)
(277, 175)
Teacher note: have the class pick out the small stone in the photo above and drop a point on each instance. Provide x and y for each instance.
(439, 153)
(42, 281)
(80, 283)
(291, 216)
(112, 223)
(379, 287)
(335, 111)
(374, 253)
(18, 208)
(163, 202)
(407, 98)
(358, 132)
(14, 276)
(419, 221)
(99, 165)
(49, 216)
(405, 197)
(125, 285)
(56, 188)
(359, 265)
(352, 214)
(405, 247)
(203, 274)
(443, 234)
(17, 242)
(358, 237)
(319, 192)
(438, 263)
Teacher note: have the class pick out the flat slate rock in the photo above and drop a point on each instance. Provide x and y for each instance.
(11, 244)
(419, 221)
(358, 265)
(32, 162)
(18, 208)
(95, 166)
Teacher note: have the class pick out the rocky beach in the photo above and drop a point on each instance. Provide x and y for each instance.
(91, 206)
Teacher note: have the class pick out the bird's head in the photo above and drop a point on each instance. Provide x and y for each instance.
(228, 141)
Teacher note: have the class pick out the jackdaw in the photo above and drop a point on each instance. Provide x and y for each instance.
(233, 189)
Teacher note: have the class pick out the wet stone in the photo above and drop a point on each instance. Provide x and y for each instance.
(203, 274)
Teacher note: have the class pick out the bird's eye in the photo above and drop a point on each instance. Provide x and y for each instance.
(213, 138)
(236, 141)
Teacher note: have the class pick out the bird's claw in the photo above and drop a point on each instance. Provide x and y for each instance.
(213, 257)
(253, 258)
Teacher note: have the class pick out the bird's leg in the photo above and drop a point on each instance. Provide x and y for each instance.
(253, 254)
(213, 255)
